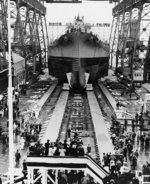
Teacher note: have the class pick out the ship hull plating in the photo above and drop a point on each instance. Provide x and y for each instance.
(78, 54)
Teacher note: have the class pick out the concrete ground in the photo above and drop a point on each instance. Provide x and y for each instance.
(26, 103)
(131, 107)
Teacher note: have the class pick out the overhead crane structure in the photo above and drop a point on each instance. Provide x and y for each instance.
(129, 36)
(3, 35)
(29, 30)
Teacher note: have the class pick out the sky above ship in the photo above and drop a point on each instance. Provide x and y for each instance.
(93, 11)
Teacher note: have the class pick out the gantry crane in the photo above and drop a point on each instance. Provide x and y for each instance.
(129, 35)
(30, 30)
(29, 35)
(3, 37)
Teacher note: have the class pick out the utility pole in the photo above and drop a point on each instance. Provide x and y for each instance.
(10, 100)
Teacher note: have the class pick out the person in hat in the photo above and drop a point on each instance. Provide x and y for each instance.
(17, 158)
(88, 149)
(47, 145)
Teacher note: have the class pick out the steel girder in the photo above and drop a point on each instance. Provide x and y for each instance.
(3, 35)
(113, 41)
(132, 34)
(42, 174)
(30, 38)
(127, 5)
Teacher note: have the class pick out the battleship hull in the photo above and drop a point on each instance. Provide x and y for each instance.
(78, 58)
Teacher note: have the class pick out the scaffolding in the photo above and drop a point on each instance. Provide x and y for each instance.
(3, 36)
(29, 35)
(129, 36)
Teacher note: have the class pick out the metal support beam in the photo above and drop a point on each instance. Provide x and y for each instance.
(46, 41)
(136, 38)
(28, 175)
(30, 32)
(32, 4)
(56, 177)
(10, 102)
(126, 5)
(50, 178)
(44, 175)
(133, 35)
(32, 175)
(113, 41)
(3, 35)
(147, 64)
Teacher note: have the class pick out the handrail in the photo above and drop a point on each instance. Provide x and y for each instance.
(145, 179)
(96, 163)
(16, 180)
(75, 163)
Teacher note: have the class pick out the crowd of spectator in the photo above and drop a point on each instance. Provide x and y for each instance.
(146, 168)
(118, 178)
(70, 147)
(25, 130)
(66, 177)
(122, 140)
(4, 114)
(123, 164)
(4, 104)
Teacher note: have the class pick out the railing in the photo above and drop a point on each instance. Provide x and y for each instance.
(145, 179)
(18, 176)
(18, 180)
(97, 164)
(75, 163)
